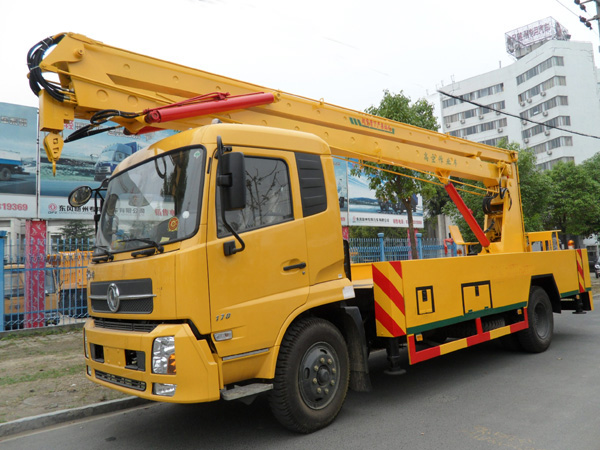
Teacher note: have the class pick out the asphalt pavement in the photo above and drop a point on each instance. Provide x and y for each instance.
(482, 397)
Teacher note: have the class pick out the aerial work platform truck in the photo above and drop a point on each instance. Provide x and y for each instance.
(220, 271)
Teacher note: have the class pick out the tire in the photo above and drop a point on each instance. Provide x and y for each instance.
(311, 376)
(538, 336)
(5, 174)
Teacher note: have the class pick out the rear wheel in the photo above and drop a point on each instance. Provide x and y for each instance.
(5, 174)
(311, 377)
(538, 336)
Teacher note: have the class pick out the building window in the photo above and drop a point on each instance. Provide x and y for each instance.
(558, 80)
(474, 112)
(493, 142)
(490, 90)
(480, 128)
(559, 100)
(541, 67)
(562, 141)
(555, 122)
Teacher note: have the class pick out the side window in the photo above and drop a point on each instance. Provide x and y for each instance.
(268, 197)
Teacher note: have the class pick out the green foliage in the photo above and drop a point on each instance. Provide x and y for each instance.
(78, 230)
(387, 184)
(573, 205)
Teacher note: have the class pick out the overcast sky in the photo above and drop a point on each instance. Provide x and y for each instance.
(346, 52)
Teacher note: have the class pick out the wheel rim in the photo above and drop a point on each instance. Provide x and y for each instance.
(542, 324)
(318, 375)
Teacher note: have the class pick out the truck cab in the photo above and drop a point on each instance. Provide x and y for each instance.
(162, 227)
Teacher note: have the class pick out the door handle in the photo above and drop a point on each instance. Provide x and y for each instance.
(301, 265)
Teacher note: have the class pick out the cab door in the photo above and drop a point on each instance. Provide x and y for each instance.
(252, 292)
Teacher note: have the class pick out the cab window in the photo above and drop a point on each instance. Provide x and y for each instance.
(268, 197)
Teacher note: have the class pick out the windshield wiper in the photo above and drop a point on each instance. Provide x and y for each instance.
(108, 256)
(155, 246)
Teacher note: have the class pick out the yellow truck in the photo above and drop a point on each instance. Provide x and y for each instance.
(15, 316)
(220, 270)
(72, 281)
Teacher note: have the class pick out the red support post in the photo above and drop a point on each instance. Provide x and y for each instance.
(467, 214)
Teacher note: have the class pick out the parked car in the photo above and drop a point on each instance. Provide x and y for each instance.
(597, 268)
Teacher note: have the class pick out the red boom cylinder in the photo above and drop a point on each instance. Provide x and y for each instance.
(168, 114)
(467, 214)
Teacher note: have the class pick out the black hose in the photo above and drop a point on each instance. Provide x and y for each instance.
(36, 79)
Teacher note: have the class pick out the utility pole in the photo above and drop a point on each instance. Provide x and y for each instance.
(586, 21)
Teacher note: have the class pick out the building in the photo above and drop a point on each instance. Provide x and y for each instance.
(552, 88)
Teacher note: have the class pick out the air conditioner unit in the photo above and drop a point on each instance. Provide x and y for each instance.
(528, 100)
(547, 132)
(543, 93)
(526, 140)
(524, 122)
(500, 130)
(480, 116)
(545, 113)
(522, 103)
(549, 152)
(462, 120)
(497, 113)
(448, 125)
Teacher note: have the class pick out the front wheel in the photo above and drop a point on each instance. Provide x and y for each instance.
(538, 336)
(311, 377)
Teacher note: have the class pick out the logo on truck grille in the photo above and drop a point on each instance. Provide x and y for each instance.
(112, 297)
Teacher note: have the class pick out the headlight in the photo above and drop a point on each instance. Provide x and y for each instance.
(163, 355)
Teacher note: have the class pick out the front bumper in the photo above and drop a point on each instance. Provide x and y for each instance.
(122, 360)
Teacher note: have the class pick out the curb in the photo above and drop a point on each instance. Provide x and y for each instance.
(58, 417)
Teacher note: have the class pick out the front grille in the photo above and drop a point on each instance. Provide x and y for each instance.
(132, 306)
(122, 325)
(121, 381)
(135, 296)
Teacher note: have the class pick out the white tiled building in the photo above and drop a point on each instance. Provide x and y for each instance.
(553, 82)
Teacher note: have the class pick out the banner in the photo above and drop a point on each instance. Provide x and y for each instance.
(18, 161)
(363, 208)
(87, 161)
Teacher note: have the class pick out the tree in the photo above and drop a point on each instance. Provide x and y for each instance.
(77, 233)
(535, 188)
(573, 204)
(393, 183)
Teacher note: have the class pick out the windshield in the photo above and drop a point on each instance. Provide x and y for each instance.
(153, 203)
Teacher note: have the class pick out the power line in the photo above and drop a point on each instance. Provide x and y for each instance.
(458, 97)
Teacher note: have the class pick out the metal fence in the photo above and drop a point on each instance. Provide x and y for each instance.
(367, 250)
(44, 285)
(48, 287)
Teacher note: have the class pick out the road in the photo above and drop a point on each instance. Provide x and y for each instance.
(19, 184)
(479, 398)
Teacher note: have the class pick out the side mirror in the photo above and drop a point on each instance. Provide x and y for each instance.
(232, 181)
(80, 196)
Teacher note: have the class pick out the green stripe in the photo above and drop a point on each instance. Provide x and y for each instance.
(468, 316)
(573, 293)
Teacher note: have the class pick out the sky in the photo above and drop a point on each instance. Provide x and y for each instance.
(345, 52)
